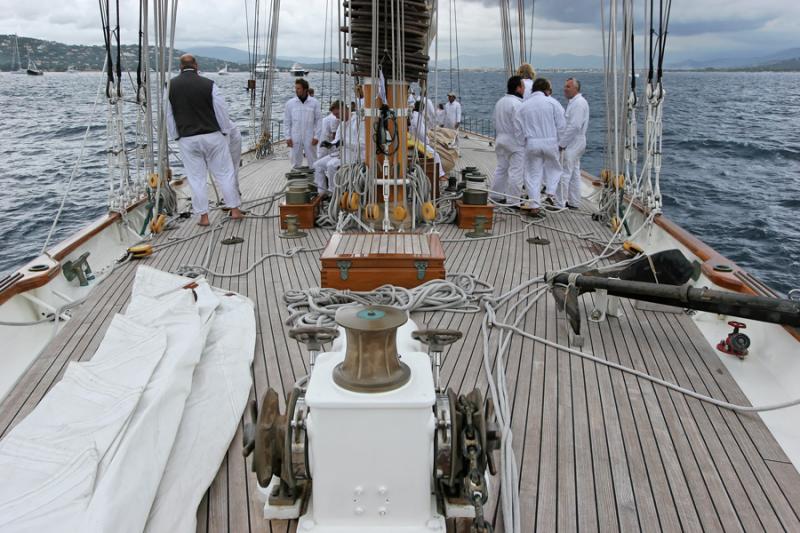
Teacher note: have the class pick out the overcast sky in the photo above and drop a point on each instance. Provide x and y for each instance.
(699, 28)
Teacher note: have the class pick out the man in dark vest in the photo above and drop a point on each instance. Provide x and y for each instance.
(198, 119)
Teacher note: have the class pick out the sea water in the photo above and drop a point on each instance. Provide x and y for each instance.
(730, 175)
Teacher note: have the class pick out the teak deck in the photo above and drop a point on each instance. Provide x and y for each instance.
(597, 450)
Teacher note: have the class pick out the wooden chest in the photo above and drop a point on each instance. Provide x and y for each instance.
(365, 261)
(465, 215)
(306, 213)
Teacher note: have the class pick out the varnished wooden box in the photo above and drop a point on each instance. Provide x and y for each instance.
(465, 214)
(306, 213)
(365, 261)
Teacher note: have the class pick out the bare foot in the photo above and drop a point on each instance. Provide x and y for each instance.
(236, 213)
(203, 220)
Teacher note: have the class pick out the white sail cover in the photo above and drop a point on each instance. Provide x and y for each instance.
(142, 427)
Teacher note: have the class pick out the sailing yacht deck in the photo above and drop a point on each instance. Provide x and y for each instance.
(597, 449)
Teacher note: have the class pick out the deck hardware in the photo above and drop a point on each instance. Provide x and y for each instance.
(232, 240)
(736, 343)
(291, 228)
(422, 267)
(479, 225)
(541, 241)
(436, 339)
(79, 268)
(39, 267)
(452, 184)
(722, 267)
(313, 338)
(344, 266)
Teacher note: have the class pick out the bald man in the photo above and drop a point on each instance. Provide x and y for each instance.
(198, 119)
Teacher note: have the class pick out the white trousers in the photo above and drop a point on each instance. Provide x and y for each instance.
(569, 189)
(539, 155)
(322, 151)
(206, 153)
(235, 142)
(303, 146)
(324, 171)
(508, 176)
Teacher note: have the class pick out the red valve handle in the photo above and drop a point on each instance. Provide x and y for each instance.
(734, 324)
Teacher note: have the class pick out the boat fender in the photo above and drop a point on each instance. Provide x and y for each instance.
(140, 250)
(428, 211)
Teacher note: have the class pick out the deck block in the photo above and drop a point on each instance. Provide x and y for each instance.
(465, 214)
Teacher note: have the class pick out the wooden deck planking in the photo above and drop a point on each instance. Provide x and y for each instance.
(597, 450)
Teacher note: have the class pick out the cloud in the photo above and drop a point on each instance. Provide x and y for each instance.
(560, 26)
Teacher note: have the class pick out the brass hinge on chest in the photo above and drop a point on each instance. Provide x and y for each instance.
(344, 267)
(422, 267)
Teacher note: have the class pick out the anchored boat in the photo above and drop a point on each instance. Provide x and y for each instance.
(412, 356)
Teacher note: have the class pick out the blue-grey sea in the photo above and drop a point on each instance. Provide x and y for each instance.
(731, 164)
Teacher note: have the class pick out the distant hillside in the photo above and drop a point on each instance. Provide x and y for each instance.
(783, 60)
(54, 57)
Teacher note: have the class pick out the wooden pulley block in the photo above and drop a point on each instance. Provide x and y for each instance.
(372, 212)
(399, 212)
(354, 201)
(158, 223)
(152, 180)
(428, 212)
(343, 201)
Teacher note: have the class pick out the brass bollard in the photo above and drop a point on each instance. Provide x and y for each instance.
(291, 229)
(479, 226)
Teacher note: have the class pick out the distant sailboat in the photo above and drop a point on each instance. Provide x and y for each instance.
(33, 68)
(16, 60)
(223, 71)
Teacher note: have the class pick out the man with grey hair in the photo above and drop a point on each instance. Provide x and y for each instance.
(198, 119)
(573, 144)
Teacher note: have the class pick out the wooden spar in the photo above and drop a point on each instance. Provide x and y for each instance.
(397, 97)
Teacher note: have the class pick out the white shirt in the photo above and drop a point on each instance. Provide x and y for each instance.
(220, 112)
(328, 127)
(452, 114)
(418, 130)
(538, 119)
(302, 119)
(577, 122)
(430, 113)
(508, 129)
(528, 83)
(352, 132)
(440, 117)
(559, 110)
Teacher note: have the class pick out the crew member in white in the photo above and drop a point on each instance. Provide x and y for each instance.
(538, 122)
(552, 173)
(573, 145)
(302, 119)
(509, 145)
(328, 127)
(440, 116)
(349, 141)
(526, 72)
(452, 112)
(198, 119)
(419, 132)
